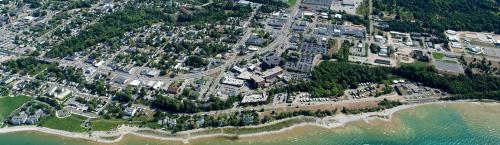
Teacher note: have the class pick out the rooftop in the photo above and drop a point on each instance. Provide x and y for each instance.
(318, 2)
(233, 81)
(272, 71)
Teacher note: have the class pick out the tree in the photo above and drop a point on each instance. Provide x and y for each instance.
(195, 61)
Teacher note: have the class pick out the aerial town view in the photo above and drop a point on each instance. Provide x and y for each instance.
(224, 72)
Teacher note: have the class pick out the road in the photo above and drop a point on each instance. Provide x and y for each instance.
(281, 38)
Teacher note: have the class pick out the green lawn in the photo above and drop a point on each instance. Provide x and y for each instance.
(406, 15)
(9, 104)
(110, 124)
(437, 55)
(292, 2)
(71, 123)
(363, 9)
(417, 63)
(106, 125)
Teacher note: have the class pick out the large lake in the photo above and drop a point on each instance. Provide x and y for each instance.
(443, 124)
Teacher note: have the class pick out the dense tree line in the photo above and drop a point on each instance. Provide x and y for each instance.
(357, 20)
(462, 84)
(269, 6)
(28, 65)
(184, 105)
(317, 113)
(4, 91)
(196, 62)
(50, 101)
(438, 15)
(491, 95)
(81, 4)
(71, 74)
(331, 78)
(382, 105)
(44, 70)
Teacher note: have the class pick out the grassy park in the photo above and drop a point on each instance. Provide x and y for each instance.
(9, 104)
(72, 123)
(106, 125)
(436, 55)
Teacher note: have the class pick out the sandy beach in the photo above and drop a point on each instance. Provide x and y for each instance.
(338, 120)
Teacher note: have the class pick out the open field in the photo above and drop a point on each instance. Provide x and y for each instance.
(417, 63)
(436, 55)
(9, 104)
(71, 123)
(106, 125)
(111, 124)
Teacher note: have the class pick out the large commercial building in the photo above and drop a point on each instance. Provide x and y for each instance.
(233, 81)
(324, 3)
(272, 73)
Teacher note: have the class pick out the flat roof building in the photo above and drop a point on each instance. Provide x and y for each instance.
(244, 76)
(254, 98)
(325, 3)
(58, 92)
(272, 73)
(120, 80)
(277, 22)
(255, 40)
(258, 81)
(233, 81)
(348, 3)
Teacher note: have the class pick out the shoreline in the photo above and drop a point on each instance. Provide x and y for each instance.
(330, 122)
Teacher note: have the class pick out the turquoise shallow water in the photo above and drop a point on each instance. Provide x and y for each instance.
(452, 124)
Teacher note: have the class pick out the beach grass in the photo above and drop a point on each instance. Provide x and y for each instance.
(437, 55)
(267, 128)
(110, 124)
(207, 132)
(110, 138)
(156, 133)
(9, 104)
(72, 123)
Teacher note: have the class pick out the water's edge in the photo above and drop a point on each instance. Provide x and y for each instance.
(334, 122)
